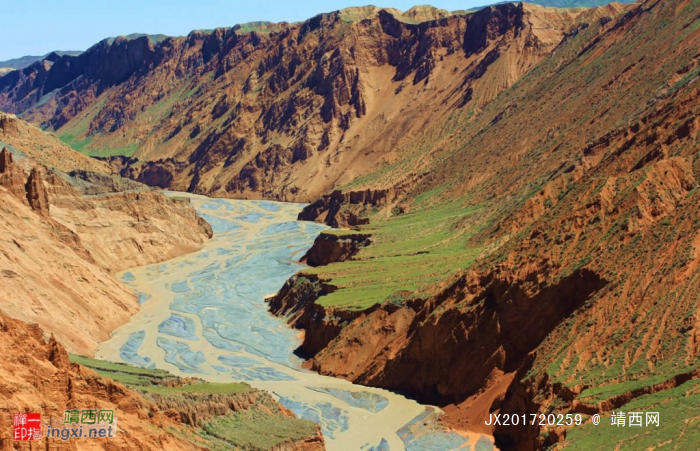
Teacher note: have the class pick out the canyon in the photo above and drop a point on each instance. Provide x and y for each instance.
(512, 195)
(204, 315)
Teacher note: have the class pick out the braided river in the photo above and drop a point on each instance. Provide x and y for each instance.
(203, 315)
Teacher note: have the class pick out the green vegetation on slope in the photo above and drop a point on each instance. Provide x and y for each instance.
(256, 429)
(679, 424)
(79, 135)
(74, 134)
(82, 146)
(409, 252)
(260, 427)
(156, 381)
(601, 393)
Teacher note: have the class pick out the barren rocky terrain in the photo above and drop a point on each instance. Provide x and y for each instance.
(61, 247)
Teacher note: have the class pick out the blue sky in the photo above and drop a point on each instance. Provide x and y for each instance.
(35, 27)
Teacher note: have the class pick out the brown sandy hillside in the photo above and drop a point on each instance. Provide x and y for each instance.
(38, 378)
(45, 148)
(60, 248)
(286, 114)
(154, 410)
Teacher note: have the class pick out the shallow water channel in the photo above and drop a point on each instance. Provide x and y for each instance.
(203, 315)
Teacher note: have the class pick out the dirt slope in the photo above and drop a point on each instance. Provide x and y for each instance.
(37, 373)
(59, 249)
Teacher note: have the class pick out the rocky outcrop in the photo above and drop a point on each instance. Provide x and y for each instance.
(313, 443)
(197, 409)
(36, 192)
(12, 177)
(93, 183)
(340, 209)
(335, 247)
(474, 327)
(296, 302)
(158, 174)
(30, 190)
(8, 124)
(60, 248)
(45, 149)
(144, 227)
(194, 409)
(5, 160)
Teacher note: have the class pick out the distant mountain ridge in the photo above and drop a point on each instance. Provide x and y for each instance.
(28, 60)
(155, 38)
(24, 61)
(577, 3)
(265, 26)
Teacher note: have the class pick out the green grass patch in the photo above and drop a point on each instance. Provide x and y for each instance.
(257, 429)
(74, 132)
(679, 424)
(343, 232)
(601, 393)
(409, 252)
(126, 151)
(262, 426)
(153, 380)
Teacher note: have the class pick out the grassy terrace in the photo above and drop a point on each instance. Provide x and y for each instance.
(261, 427)
(257, 429)
(601, 393)
(409, 252)
(153, 381)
